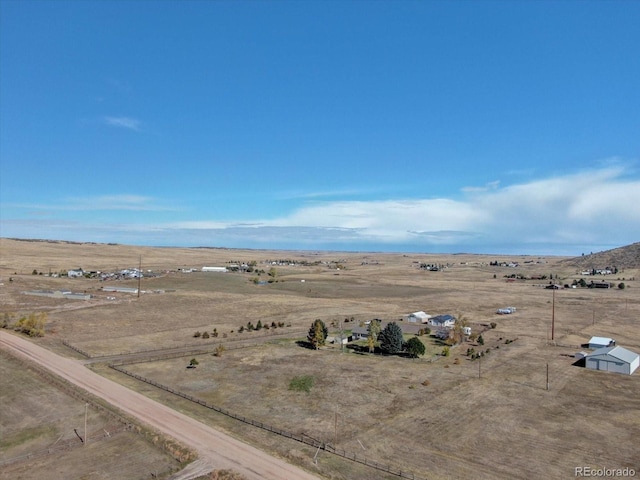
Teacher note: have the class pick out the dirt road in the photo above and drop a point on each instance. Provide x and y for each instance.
(215, 449)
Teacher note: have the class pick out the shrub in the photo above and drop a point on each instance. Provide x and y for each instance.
(426, 383)
(194, 362)
(415, 347)
(218, 351)
(480, 340)
(621, 285)
(494, 324)
(205, 335)
(446, 351)
(197, 334)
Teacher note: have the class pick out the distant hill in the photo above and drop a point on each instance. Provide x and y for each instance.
(622, 257)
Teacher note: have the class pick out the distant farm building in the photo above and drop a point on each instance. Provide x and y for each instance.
(215, 269)
(613, 359)
(58, 294)
(442, 321)
(78, 272)
(120, 289)
(601, 342)
(418, 317)
(506, 310)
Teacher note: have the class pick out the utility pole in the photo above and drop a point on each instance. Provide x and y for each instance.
(86, 439)
(139, 274)
(335, 426)
(547, 377)
(553, 313)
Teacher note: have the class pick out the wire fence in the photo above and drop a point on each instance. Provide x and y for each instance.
(210, 345)
(302, 438)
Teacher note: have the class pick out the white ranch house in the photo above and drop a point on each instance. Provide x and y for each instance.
(442, 321)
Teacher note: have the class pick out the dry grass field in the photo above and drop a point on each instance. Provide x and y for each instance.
(489, 418)
(39, 441)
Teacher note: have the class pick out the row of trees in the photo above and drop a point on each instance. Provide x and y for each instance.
(390, 339)
(32, 324)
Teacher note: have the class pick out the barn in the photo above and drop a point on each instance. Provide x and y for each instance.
(215, 269)
(613, 359)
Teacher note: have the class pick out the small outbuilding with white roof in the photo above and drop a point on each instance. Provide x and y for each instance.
(613, 359)
(601, 342)
(418, 317)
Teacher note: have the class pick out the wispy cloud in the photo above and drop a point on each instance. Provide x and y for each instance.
(118, 202)
(581, 210)
(123, 122)
(586, 208)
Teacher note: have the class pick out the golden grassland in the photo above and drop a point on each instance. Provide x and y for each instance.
(439, 417)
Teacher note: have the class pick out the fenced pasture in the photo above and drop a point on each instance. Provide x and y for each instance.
(43, 433)
(452, 418)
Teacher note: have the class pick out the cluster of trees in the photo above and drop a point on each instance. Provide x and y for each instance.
(390, 339)
(32, 324)
(259, 326)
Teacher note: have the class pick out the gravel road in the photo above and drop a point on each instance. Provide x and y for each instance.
(216, 450)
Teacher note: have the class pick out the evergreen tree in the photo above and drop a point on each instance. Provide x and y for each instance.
(317, 333)
(415, 347)
(390, 338)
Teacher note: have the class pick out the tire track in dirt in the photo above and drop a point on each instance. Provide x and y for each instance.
(217, 449)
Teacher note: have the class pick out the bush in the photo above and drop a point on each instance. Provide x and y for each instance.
(621, 286)
(197, 335)
(415, 347)
(480, 340)
(494, 324)
(218, 351)
(446, 351)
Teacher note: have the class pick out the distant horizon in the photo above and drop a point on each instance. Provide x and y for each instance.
(411, 126)
(314, 250)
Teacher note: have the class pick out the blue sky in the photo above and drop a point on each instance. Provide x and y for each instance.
(461, 126)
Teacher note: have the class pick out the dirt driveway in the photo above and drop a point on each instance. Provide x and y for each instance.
(216, 450)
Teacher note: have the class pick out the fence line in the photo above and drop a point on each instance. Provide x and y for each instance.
(61, 446)
(221, 341)
(303, 438)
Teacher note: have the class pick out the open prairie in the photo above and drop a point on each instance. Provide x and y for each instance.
(435, 416)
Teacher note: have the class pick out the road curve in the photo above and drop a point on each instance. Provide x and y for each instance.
(214, 447)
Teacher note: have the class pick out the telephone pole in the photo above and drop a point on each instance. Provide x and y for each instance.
(553, 313)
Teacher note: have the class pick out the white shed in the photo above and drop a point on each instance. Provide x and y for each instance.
(214, 269)
(601, 342)
(613, 359)
(418, 317)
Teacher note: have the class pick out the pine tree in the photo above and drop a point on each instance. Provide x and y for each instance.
(390, 338)
(317, 333)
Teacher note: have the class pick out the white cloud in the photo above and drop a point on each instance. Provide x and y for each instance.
(96, 203)
(597, 206)
(123, 122)
(577, 212)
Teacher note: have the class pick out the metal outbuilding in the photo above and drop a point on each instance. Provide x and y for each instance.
(601, 342)
(613, 359)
